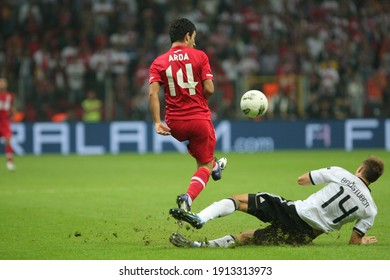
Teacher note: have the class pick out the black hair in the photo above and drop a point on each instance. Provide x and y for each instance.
(179, 28)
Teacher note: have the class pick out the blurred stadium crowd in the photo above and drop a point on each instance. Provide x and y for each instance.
(330, 59)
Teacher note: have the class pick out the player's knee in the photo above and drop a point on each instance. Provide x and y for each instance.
(240, 202)
(235, 202)
(245, 238)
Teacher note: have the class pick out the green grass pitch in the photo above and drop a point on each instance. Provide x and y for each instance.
(115, 207)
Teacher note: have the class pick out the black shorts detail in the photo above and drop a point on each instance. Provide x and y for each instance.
(286, 225)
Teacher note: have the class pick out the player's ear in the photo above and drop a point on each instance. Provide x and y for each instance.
(187, 37)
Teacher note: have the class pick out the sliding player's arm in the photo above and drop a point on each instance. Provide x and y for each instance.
(357, 239)
(304, 179)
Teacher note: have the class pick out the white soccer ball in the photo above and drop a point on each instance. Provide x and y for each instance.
(254, 103)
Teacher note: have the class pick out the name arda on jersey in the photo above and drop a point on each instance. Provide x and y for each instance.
(356, 191)
(178, 57)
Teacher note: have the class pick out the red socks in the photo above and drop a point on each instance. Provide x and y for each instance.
(9, 152)
(198, 182)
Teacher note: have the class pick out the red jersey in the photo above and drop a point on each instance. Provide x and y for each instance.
(182, 71)
(6, 100)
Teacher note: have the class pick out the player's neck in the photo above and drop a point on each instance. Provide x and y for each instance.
(364, 180)
(179, 44)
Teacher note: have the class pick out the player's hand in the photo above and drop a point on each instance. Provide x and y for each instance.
(162, 129)
(369, 240)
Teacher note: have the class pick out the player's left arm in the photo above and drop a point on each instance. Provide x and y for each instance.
(357, 239)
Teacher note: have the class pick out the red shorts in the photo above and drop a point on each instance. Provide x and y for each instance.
(200, 135)
(5, 129)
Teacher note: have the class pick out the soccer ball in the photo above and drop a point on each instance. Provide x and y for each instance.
(254, 103)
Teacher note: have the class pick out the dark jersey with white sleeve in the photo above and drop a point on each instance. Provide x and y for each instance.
(346, 198)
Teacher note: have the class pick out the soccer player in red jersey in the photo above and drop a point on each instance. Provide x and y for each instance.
(7, 109)
(186, 76)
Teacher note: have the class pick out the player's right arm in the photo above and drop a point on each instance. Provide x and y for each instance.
(208, 88)
(207, 77)
(323, 175)
(154, 104)
(304, 179)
